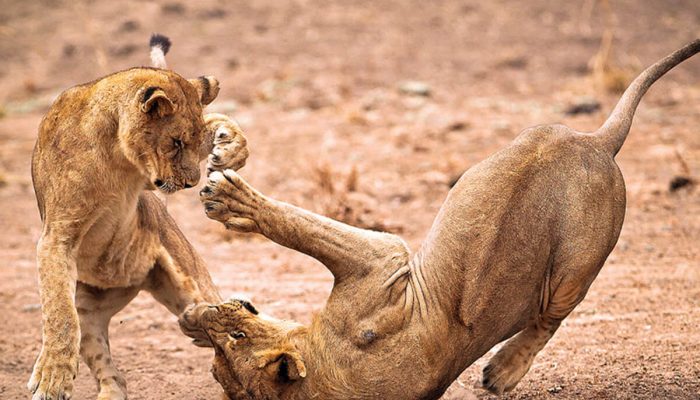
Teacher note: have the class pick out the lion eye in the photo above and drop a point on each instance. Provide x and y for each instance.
(238, 335)
(177, 143)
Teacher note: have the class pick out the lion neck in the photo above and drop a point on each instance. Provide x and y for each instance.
(320, 355)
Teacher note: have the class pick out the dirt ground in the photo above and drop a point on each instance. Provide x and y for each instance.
(316, 86)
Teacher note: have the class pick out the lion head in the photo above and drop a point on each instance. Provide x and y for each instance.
(162, 130)
(254, 357)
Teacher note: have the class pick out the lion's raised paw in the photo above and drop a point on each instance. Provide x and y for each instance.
(230, 149)
(227, 198)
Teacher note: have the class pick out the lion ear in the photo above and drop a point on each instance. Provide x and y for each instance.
(285, 365)
(207, 88)
(155, 102)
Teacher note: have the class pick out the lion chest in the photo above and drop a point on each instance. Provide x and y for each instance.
(116, 253)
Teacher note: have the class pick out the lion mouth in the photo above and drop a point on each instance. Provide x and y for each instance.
(190, 325)
(167, 187)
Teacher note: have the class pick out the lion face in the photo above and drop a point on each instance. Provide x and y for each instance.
(164, 134)
(254, 356)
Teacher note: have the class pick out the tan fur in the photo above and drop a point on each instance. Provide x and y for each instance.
(513, 250)
(102, 147)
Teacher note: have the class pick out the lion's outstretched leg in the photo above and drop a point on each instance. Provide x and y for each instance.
(513, 360)
(344, 249)
(95, 308)
(57, 364)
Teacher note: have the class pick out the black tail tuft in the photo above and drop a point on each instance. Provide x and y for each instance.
(162, 41)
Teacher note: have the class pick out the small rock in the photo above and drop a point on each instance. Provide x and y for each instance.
(415, 88)
(213, 13)
(173, 8)
(583, 105)
(457, 126)
(516, 62)
(679, 182)
(129, 26)
(31, 307)
(555, 389)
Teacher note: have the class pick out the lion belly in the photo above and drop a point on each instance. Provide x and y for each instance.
(117, 252)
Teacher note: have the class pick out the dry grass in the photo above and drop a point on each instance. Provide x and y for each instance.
(608, 76)
(337, 195)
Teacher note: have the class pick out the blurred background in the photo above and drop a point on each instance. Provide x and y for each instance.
(368, 111)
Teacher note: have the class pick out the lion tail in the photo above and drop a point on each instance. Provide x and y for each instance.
(615, 129)
(160, 44)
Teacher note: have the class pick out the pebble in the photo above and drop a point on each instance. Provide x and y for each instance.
(31, 307)
(583, 105)
(415, 88)
(555, 389)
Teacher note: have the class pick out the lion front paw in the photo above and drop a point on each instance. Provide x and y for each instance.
(229, 199)
(230, 149)
(52, 377)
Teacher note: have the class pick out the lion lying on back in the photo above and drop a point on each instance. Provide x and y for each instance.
(102, 147)
(512, 252)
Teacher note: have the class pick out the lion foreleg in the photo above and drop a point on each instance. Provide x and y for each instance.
(95, 308)
(344, 249)
(57, 364)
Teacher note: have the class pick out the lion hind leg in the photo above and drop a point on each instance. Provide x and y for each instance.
(95, 309)
(508, 366)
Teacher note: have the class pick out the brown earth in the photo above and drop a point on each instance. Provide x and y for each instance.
(315, 86)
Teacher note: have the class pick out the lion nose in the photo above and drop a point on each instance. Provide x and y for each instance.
(190, 317)
(192, 180)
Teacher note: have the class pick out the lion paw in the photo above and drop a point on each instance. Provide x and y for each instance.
(505, 370)
(230, 147)
(227, 198)
(111, 391)
(52, 377)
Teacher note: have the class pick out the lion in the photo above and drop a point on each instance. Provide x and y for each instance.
(512, 252)
(103, 147)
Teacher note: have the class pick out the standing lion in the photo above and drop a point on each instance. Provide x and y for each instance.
(103, 147)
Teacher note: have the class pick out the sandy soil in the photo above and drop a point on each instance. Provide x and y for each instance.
(315, 86)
